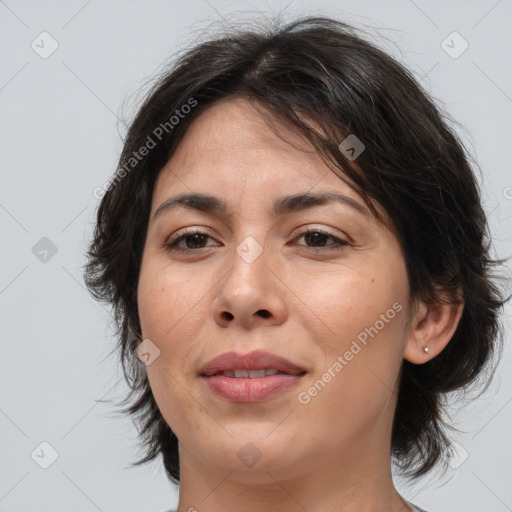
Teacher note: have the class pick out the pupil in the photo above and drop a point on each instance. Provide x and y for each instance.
(317, 237)
(196, 239)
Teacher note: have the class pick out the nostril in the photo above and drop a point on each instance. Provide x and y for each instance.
(227, 315)
(264, 313)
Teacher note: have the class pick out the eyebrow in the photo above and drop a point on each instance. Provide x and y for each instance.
(281, 206)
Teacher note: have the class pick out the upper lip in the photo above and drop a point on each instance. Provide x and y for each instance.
(256, 360)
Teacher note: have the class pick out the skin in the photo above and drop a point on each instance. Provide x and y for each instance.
(332, 453)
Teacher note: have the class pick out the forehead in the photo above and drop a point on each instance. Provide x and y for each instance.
(238, 140)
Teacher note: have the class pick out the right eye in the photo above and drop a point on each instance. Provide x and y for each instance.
(193, 239)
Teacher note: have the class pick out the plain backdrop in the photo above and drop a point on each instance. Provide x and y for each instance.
(69, 72)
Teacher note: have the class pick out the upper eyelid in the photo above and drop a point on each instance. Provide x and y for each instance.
(324, 232)
(205, 231)
(189, 231)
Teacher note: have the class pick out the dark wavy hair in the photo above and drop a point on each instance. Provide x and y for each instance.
(414, 165)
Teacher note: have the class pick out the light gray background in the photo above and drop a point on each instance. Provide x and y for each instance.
(60, 138)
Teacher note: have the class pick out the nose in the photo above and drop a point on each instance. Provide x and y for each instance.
(251, 294)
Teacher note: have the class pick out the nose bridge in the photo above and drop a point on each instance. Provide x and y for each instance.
(253, 248)
(249, 271)
(250, 289)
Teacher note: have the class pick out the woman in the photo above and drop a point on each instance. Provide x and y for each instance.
(296, 251)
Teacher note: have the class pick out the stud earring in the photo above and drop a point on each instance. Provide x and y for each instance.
(426, 350)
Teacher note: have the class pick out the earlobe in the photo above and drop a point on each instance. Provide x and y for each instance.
(432, 327)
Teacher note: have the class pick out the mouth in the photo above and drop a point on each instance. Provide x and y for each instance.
(250, 377)
(252, 374)
(247, 365)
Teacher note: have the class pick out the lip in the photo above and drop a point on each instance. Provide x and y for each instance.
(256, 360)
(248, 390)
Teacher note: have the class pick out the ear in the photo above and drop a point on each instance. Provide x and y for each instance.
(432, 325)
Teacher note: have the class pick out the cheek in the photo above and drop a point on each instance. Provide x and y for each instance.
(168, 304)
(361, 334)
(340, 305)
(171, 313)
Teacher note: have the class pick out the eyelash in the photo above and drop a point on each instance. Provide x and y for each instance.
(338, 245)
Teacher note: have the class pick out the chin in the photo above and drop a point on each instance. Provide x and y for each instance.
(251, 455)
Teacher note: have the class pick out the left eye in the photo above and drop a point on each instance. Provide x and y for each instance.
(316, 236)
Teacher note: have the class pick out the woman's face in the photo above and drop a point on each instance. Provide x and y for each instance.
(322, 285)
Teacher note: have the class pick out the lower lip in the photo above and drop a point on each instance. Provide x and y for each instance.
(250, 390)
